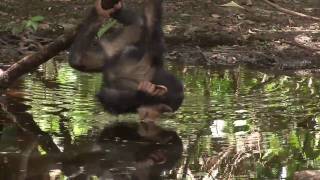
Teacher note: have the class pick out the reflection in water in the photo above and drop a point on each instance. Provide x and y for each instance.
(233, 123)
(128, 151)
(123, 150)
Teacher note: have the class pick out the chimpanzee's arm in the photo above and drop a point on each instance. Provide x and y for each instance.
(88, 54)
(154, 34)
(131, 34)
(153, 15)
(85, 53)
(127, 17)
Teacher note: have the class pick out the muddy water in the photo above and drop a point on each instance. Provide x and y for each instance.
(233, 124)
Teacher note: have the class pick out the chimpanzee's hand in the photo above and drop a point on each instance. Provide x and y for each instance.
(152, 89)
(105, 14)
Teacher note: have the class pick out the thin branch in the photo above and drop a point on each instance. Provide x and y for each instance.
(290, 12)
(294, 43)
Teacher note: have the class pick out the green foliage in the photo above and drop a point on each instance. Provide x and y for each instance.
(32, 23)
(268, 104)
(294, 140)
(109, 24)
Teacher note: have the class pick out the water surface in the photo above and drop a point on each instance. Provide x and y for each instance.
(234, 123)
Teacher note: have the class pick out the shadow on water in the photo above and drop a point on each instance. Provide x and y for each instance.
(233, 123)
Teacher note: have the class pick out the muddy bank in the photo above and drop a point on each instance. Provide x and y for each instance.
(197, 32)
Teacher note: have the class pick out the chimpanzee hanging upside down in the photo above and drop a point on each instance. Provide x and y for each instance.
(132, 62)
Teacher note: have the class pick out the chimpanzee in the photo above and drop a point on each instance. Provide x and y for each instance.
(132, 62)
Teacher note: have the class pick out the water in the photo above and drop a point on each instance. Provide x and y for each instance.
(234, 123)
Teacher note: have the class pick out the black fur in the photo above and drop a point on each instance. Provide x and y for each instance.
(133, 56)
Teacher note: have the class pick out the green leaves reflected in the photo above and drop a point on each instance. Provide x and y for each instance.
(223, 109)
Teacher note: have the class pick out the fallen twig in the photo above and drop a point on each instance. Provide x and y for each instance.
(294, 43)
(290, 12)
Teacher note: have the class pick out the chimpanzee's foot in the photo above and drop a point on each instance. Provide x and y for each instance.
(152, 89)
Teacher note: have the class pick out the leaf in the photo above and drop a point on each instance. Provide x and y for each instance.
(232, 4)
(34, 26)
(106, 27)
(28, 24)
(37, 18)
(294, 140)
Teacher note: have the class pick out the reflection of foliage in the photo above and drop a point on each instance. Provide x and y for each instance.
(267, 102)
(268, 105)
(292, 154)
(73, 102)
(275, 148)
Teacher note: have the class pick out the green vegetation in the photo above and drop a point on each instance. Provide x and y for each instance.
(223, 109)
(32, 24)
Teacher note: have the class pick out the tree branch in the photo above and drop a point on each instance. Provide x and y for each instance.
(31, 62)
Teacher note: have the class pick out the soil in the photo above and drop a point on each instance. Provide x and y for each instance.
(197, 31)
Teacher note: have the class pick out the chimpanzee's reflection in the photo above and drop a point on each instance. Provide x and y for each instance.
(127, 151)
(122, 151)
